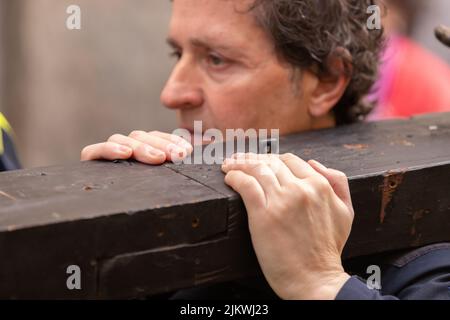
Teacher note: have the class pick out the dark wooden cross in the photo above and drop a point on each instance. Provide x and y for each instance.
(137, 230)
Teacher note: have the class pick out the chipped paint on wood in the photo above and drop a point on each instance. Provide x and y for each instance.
(356, 146)
(10, 197)
(405, 143)
(416, 217)
(391, 182)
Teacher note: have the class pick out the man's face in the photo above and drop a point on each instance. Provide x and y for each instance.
(227, 73)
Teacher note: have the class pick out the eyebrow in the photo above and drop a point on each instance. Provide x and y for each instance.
(171, 42)
(204, 44)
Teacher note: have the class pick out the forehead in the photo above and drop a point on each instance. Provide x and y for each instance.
(216, 21)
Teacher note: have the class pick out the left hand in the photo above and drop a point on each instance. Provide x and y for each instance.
(300, 216)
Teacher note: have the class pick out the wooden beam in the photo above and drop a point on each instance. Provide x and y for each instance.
(138, 230)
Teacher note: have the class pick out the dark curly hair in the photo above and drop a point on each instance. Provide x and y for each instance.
(307, 33)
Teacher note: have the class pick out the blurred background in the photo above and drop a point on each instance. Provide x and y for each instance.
(63, 89)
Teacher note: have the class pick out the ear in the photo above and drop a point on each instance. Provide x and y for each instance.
(329, 89)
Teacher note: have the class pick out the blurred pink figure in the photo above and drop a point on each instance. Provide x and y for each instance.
(412, 81)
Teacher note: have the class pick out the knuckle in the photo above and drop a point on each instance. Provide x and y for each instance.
(321, 185)
(136, 134)
(276, 164)
(340, 175)
(295, 190)
(267, 157)
(288, 157)
(293, 187)
(351, 215)
(85, 152)
(114, 137)
(140, 148)
(309, 195)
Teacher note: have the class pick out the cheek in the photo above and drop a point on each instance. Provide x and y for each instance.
(236, 106)
(261, 99)
(280, 104)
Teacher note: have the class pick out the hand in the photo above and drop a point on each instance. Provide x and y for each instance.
(300, 216)
(147, 147)
(443, 34)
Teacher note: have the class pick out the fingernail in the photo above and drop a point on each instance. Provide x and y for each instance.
(154, 152)
(123, 149)
(184, 144)
(173, 149)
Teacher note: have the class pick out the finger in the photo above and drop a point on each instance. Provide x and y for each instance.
(174, 139)
(337, 179)
(141, 152)
(248, 187)
(106, 151)
(257, 169)
(299, 167)
(173, 152)
(282, 172)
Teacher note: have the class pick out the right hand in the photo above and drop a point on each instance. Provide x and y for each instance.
(147, 147)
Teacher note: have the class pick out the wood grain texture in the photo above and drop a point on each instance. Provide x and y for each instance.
(138, 230)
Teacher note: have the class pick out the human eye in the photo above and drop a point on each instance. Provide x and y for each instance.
(216, 61)
(176, 54)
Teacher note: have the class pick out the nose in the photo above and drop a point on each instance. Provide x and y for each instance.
(182, 90)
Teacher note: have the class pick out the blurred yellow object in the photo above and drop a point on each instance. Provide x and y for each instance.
(4, 126)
